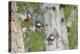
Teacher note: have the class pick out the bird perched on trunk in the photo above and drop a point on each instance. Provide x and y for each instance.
(54, 35)
(50, 39)
(26, 21)
(37, 26)
(28, 16)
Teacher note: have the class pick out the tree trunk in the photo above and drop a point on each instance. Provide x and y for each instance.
(55, 25)
(15, 39)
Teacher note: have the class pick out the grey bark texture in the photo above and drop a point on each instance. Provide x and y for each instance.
(53, 24)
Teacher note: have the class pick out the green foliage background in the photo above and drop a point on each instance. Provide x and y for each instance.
(73, 31)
